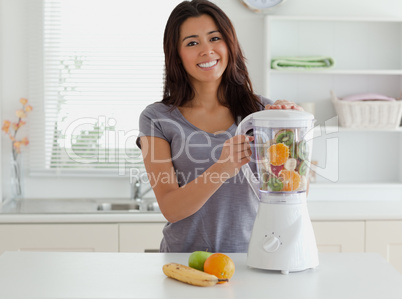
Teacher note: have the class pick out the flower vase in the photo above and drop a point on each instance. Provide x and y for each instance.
(16, 177)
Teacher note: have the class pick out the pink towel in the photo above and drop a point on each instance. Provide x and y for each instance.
(367, 97)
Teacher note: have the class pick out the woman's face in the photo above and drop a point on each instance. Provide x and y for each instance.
(203, 52)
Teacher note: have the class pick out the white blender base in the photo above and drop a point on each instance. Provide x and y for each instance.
(282, 239)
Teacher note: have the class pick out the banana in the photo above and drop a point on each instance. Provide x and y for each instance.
(190, 275)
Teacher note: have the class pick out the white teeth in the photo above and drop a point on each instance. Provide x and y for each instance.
(208, 64)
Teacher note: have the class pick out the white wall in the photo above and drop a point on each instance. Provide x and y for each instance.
(249, 26)
(1, 95)
(13, 66)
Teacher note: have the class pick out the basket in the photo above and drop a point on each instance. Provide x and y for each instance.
(368, 114)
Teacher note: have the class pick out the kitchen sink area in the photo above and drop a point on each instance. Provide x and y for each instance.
(150, 206)
(80, 206)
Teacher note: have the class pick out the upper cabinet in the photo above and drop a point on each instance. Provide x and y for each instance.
(367, 55)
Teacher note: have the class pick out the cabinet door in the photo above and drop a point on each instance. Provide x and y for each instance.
(140, 237)
(339, 236)
(59, 237)
(385, 237)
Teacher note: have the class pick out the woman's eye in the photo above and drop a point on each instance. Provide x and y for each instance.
(215, 38)
(190, 44)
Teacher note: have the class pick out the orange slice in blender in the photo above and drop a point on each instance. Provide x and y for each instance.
(278, 154)
(291, 180)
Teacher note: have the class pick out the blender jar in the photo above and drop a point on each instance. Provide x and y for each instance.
(282, 157)
(282, 150)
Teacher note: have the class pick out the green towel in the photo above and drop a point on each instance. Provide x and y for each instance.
(302, 62)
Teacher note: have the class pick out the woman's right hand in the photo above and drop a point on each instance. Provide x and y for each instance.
(236, 152)
(284, 104)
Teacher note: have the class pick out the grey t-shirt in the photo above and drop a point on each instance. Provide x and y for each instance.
(225, 222)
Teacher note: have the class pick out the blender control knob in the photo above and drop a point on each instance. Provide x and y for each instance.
(271, 244)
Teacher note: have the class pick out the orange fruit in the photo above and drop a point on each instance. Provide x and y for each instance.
(290, 179)
(220, 265)
(278, 154)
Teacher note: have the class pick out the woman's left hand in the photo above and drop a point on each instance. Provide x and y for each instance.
(284, 104)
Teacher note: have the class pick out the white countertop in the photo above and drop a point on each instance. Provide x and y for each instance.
(139, 275)
(319, 211)
(355, 210)
(82, 218)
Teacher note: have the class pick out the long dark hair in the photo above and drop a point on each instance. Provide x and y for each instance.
(235, 90)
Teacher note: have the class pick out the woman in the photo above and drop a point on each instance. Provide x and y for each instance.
(190, 152)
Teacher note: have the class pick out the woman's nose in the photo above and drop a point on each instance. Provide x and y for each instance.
(207, 50)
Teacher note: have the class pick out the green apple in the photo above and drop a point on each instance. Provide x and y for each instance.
(197, 259)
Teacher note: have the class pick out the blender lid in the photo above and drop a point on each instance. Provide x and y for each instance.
(283, 118)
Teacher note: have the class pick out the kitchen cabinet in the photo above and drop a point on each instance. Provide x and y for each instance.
(124, 237)
(331, 236)
(59, 237)
(140, 237)
(385, 237)
(366, 52)
(382, 236)
(368, 59)
(339, 236)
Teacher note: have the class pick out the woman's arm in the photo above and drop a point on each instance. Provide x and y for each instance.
(177, 203)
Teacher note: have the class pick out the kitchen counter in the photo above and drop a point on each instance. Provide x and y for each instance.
(121, 217)
(139, 275)
(76, 211)
(319, 211)
(355, 210)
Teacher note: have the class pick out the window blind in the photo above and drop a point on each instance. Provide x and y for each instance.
(94, 66)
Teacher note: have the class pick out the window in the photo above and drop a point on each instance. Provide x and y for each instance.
(94, 66)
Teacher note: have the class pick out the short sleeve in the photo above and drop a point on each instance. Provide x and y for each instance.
(265, 101)
(149, 125)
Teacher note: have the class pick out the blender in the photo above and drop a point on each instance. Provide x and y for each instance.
(282, 237)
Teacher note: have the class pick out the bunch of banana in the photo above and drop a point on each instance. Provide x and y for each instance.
(190, 275)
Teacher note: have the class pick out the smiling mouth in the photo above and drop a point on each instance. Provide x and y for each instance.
(208, 64)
